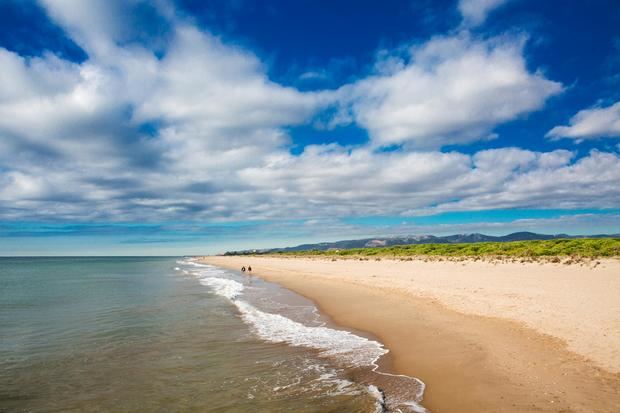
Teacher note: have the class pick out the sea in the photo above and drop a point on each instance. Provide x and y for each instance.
(169, 334)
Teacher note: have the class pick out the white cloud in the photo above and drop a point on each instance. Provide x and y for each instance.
(72, 139)
(475, 12)
(75, 141)
(450, 90)
(30, 78)
(219, 88)
(330, 181)
(314, 75)
(597, 122)
(100, 26)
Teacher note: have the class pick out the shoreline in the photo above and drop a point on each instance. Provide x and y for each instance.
(479, 355)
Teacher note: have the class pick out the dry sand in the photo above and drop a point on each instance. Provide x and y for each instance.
(483, 336)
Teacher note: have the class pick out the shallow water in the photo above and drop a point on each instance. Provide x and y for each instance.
(163, 334)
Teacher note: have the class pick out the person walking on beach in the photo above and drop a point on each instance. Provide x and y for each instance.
(249, 269)
(243, 269)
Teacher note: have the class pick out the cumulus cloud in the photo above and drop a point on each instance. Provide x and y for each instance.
(450, 90)
(105, 136)
(475, 12)
(341, 182)
(100, 26)
(597, 122)
(218, 97)
(197, 131)
(549, 181)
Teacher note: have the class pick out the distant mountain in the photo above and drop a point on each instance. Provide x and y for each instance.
(419, 239)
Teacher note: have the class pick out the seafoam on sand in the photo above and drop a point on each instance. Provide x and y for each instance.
(349, 350)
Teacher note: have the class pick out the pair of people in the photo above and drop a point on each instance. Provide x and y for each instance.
(249, 269)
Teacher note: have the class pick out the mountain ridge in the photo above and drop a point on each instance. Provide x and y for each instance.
(377, 242)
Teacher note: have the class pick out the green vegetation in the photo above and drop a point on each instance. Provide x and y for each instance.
(575, 248)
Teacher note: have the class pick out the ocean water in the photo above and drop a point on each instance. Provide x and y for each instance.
(170, 334)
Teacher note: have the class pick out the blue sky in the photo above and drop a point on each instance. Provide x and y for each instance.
(187, 127)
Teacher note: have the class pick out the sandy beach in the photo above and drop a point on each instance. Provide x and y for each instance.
(484, 336)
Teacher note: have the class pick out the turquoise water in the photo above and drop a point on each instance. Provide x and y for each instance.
(163, 334)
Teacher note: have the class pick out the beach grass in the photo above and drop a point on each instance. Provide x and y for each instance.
(576, 248)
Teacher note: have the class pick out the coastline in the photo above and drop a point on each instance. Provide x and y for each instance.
(524, 344)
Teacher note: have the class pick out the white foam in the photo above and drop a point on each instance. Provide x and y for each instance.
(415, 407)
(343, 387)
(346, 346)
(343, 345)
(353, 350)
(208, 271)
(192, 263)
(379, 398)
(224, 287)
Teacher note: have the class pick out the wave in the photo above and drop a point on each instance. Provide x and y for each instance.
(350, 350)
(354, 350)
(230, 289)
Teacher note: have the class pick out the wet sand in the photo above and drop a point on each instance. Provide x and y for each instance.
(483, 336)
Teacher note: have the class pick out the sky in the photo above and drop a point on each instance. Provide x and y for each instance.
(191, 127)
